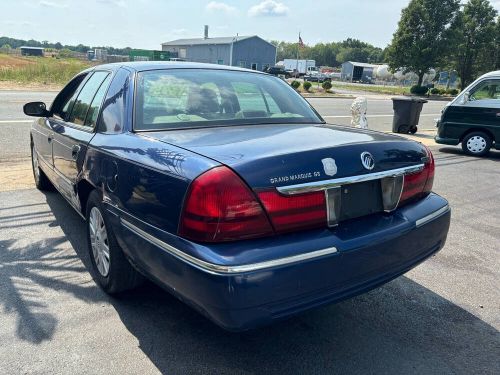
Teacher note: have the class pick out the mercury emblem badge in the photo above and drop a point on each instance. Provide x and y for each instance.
(329, 166)
(367, 160)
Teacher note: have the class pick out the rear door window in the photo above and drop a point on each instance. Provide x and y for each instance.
(93, 111)
(85, 98)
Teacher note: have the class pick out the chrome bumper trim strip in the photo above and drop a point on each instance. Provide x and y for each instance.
(328, 184)
(432, 216)
(218, 269)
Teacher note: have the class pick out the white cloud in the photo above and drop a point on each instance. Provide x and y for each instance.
(118, 3)
(268, 8)
(53, 4)
(179, 32)
(215, 6)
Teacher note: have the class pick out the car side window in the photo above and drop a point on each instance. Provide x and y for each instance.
(85, 97)
(487, 90)
(64, 100)
(93, 111)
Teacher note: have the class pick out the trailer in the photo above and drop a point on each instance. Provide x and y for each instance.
(299, 67)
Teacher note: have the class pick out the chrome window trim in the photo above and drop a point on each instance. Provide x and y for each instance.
(432, 216)
(218, 269)
(328, 184)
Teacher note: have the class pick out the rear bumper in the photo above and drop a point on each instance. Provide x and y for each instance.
(249, 286)
(447, 141)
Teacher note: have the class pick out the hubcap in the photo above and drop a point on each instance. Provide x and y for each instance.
(36, 169)
(99, 241)
(476, 144)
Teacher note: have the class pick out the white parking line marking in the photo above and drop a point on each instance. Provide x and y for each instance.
(14, 121)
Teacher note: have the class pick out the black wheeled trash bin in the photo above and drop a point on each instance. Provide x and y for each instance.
(406, 114)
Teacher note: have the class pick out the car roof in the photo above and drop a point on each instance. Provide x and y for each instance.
(491, 74)
(155, 65)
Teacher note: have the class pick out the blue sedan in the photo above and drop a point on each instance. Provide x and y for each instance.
(225, 187)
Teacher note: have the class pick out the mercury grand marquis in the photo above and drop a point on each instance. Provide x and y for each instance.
(225, 187)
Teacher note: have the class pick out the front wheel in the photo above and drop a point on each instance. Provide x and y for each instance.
(113, 271)
(476, 143)
(41, 180)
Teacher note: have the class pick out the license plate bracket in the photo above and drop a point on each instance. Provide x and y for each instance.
(354, 200)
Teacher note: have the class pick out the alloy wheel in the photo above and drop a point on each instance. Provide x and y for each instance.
(99, 241)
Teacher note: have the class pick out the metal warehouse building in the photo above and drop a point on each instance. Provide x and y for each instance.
(357, 72)
(31, 51)
(250, 52)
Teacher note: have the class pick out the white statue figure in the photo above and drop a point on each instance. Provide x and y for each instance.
(358, 112)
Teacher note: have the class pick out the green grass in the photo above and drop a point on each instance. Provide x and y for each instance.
(39, 70)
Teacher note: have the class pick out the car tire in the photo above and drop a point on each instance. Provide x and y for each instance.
(42, 182)
(111, 268)
(413, 129)
(476, 143)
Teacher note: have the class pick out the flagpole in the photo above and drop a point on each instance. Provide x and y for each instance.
(297, 64)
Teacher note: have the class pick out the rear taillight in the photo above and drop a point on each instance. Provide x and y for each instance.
(219, 206)
(301, 211)
(419, 184)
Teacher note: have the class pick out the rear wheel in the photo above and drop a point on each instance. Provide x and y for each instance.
(476, 143)
(41, 180)
(112, 270)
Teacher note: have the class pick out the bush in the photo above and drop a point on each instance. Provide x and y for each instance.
(435, 91)
(419, 90)
(453, 92)
(295, 84)
(327, 85)
(306, 85)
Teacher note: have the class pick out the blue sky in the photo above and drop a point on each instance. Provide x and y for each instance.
(148, 23)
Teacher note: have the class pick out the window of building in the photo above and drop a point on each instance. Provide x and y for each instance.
(254, 66)
(220, 62)
(182, 53)
(243, 64)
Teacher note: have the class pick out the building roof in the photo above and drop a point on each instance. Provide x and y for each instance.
(364, 65)
(201, 41)
(25, 47)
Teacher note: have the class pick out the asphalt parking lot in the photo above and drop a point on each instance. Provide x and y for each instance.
(443, 317)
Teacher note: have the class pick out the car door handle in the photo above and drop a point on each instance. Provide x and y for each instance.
(74, 152)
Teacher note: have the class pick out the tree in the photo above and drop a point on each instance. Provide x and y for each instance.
(474, 53)
(421, 41)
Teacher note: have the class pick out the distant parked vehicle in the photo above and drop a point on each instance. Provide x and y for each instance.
(278, 71)
(473, 117)
(299, 67)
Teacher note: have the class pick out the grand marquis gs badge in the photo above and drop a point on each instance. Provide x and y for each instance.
(329, 166)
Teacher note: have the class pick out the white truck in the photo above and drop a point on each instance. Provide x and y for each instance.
(299, 67)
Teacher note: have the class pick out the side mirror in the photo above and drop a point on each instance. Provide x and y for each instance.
(36, 109)
(466, 97)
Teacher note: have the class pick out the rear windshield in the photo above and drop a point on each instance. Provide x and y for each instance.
(186, 98)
